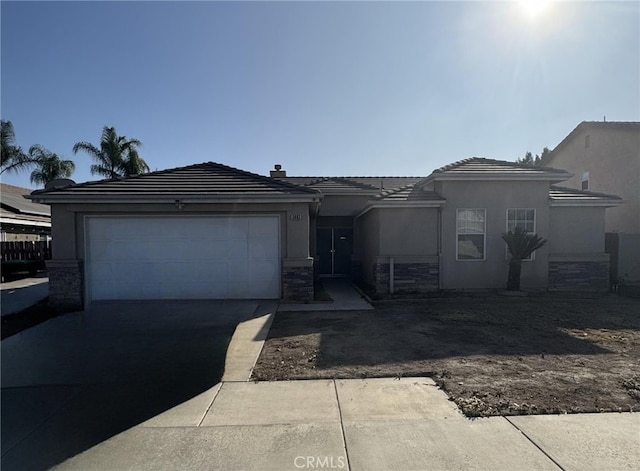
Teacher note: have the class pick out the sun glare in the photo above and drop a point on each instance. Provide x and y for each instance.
(534, 8)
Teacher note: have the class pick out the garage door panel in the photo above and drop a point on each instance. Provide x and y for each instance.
(262, 270)
(262, 247)
(261, 289)
(214, 250)
(238, 249)
(237, 290)
(149, 250)
(237, 227)
(183, 257)
(238, 271)
(103, 272)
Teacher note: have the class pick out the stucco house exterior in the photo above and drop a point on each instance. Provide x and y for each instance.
(212, 231)
(605, 157)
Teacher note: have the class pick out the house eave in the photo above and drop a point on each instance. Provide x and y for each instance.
(496, 177)
(401, 204)
(172, 198)
(570, 203)
(22, 222)
(349, 193)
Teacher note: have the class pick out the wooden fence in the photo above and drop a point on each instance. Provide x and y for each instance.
(37, 251)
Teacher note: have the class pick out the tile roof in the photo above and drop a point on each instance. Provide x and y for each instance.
(340, 185)
(481, 168)
(204, 179)
(560, 194)
(13, 201)
(365, 183)
(409, 193)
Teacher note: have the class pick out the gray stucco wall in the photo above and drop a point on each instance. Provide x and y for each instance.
(367, 242)
(407, 235)
(576, 243)
(612, 159)
(496, 197)
(575, 230)
(408, 231)
(343, 205)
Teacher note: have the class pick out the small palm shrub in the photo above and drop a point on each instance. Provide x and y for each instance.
(521, 245)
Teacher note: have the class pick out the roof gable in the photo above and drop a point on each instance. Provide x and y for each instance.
(586, 125)
(477, 168)
(199, 180)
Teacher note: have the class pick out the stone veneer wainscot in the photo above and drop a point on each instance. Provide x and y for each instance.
(65, 284)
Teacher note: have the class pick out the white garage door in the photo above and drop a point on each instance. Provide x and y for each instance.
(183, 257)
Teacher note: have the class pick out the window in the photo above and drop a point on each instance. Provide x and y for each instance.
(585, 181)
(522, 217)
(470, 233)
(587, 141)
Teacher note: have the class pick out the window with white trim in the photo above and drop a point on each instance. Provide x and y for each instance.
(524, 218)
(470, 234)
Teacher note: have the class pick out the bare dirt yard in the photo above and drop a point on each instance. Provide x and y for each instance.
(492, 356)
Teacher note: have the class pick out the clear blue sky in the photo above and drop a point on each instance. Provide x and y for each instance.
(337, 88)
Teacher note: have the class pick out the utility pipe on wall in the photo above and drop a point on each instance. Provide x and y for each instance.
(391, 275)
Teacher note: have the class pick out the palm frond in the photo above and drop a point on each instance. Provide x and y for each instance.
(50, 165)
(86, 147)
(521, 244)
(113, 158)
(12, 158)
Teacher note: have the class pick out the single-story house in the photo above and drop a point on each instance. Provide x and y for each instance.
(213, 231)
(20, 218)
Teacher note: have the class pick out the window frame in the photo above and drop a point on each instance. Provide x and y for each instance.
(586, 176)
(535, 213)
(484, 236)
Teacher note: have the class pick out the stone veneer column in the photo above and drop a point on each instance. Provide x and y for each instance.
(65, 284)
(297, 279)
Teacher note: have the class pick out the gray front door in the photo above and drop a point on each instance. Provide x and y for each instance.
(335, 246)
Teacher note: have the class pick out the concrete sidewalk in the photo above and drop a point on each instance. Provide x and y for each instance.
(364, 425)
(372, 424)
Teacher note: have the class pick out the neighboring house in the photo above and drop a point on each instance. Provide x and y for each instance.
(20, 218)
(605, 157)
(212, 231)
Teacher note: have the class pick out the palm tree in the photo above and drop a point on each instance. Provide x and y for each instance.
(50, 165)
(12, 158)
(521, 245)
(133, 164)
(114, 158)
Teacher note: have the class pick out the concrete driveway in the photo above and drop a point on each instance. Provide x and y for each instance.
(76, 380)
(20, 294)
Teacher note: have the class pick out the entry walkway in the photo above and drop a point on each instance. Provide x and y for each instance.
(344, 295)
